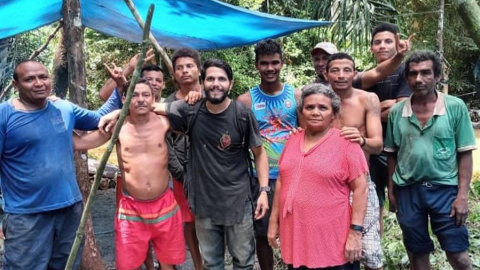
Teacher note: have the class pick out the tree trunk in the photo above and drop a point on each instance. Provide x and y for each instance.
(469, 11)
(73, 38)
(444, 81)
(60, 71)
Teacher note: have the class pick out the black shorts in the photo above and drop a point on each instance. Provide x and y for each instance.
(261, 225)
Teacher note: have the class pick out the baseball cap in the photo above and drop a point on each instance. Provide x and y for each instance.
(325, 46)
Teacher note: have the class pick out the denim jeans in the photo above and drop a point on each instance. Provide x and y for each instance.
(239, 239)
(42, 240)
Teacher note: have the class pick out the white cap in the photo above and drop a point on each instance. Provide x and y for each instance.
(325, 46)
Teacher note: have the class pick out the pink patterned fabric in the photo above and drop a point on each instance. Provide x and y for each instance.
(314, 199)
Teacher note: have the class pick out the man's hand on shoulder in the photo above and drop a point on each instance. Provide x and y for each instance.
(107, 122)
(193, 97)
(352, 134)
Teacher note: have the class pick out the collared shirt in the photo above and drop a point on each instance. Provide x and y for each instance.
(429, 153)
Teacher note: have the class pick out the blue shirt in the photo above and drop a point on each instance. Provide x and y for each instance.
(36, 154)
(276, 116)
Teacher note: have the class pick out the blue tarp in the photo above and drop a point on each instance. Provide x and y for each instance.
(200, 24)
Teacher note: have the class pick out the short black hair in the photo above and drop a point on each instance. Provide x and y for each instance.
(268, 47)
(15, 71)
(151, 68)
(384, 27)
(339, 56)
(421, 56)
(219, 64)
(139, 81)
(186, 52)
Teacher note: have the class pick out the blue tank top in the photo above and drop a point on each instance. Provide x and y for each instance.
(276, 116)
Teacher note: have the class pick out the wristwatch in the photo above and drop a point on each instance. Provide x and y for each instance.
(267, 189)
(357, 228)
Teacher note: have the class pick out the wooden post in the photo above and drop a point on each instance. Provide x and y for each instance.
(444, 80)
(103, 161)
(75, 55)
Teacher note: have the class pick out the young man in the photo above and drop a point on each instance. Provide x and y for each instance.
(41, 195)
(147, 210)
(430, 140)
(186, 63)
(359, 121)
(385, 46)
(273, 104)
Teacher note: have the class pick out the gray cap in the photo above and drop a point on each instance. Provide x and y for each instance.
(325, 46)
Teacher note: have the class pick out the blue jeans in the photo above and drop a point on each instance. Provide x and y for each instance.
(41, 240)
(240, 241)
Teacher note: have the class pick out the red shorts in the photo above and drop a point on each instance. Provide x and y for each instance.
(187, 215)
(139, 222)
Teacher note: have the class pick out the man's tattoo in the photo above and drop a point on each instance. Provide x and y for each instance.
(374, 104)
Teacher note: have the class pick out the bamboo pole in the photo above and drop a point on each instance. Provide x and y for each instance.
(8, 88)
(106, 155)
(156, 46)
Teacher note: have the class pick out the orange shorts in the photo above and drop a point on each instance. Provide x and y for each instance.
(139, 222)
(179, 194)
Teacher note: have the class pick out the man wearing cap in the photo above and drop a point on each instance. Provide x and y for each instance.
(320, 54)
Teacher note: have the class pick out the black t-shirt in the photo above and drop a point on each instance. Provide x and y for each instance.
(177, 144)
(392, 87)
(218, 181)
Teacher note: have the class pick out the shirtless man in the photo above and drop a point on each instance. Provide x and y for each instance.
(359, 121)
(147, 210)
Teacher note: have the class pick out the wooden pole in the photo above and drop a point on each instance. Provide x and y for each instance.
(156, 46)
(441, 18)
(106, 155)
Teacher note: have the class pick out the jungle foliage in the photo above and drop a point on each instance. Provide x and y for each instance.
(353, 20)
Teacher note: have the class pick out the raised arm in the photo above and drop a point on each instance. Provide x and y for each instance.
(388, 67)
(127, 70)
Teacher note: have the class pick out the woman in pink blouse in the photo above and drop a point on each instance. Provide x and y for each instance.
(311, 211)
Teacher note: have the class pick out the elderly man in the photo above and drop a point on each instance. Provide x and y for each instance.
(430, 140)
